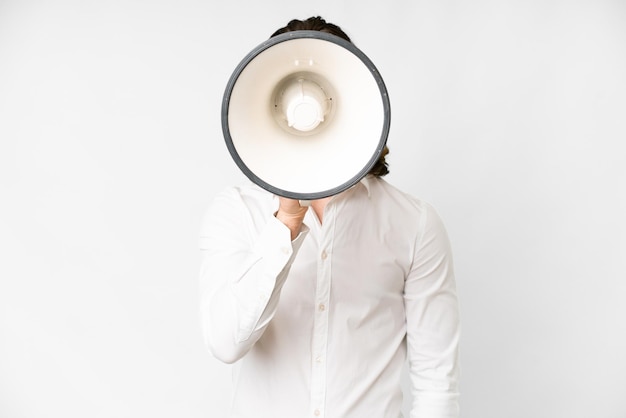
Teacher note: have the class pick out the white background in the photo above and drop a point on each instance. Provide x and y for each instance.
(508, 116)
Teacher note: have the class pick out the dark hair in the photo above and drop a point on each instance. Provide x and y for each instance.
(313, 23)
(381, 167)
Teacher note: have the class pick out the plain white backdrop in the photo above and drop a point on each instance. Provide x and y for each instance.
(508, 116)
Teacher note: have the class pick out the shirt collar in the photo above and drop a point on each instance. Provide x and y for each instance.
(365, 181)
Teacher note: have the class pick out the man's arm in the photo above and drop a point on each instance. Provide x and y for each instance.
(244, 265)
(433, 324)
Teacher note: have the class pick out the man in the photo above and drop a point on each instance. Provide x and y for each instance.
(319, 307)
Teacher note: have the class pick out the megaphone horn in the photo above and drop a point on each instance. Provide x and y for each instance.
(305, 115)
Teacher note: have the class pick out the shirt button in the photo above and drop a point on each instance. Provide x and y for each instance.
(316, 412)
(285, 250)
(324, 255)
(322, 307)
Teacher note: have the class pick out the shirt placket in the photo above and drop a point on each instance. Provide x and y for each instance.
(320, 323)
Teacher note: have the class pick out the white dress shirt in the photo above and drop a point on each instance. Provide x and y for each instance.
(321, 326)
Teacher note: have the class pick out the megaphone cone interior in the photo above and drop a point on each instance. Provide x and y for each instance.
(305, 115)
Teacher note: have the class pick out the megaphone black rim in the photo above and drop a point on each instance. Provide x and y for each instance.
(287, 37)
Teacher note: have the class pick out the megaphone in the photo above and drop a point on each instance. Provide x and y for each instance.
(305, 115)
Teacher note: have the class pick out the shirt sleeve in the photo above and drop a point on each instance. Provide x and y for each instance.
(245, 261)
(433, 325)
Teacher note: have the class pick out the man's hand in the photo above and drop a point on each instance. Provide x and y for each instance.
(291, 213)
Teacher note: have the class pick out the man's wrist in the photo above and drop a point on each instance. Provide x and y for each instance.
(291, 221)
